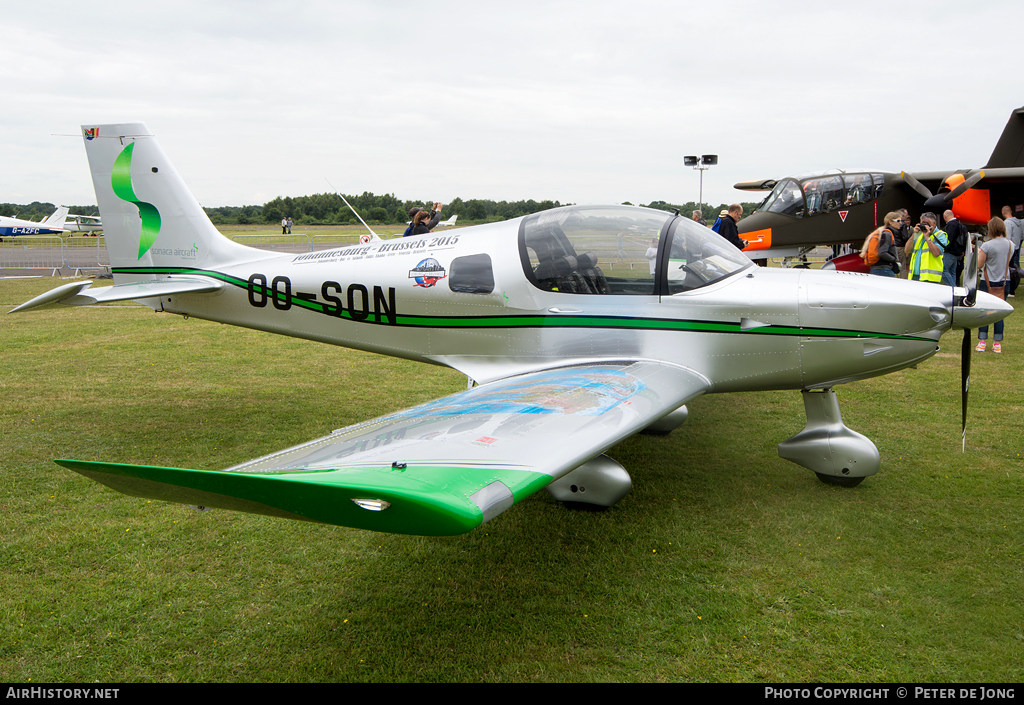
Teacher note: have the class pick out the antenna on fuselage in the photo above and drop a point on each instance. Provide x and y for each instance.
(375, 235)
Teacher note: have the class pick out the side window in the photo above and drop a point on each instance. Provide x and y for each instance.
(859, 188)
(823, 195)
(879, 180)
(593, 250)
(697, 257)
(471, 275)
(789, 200)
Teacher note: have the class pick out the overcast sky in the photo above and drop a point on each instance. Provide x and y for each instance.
(582, 102)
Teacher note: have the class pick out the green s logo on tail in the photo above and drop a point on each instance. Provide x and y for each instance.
(121, 182)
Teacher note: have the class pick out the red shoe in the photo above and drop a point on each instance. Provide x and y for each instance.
(981, 346)
(996, 347)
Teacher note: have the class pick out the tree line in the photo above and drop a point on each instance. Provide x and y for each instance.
(40, 211)
(329, 209)
(380, 209)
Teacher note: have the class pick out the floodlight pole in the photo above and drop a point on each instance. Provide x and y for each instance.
(705, 162)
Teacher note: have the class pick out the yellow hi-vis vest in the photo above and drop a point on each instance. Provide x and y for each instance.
(923, 265)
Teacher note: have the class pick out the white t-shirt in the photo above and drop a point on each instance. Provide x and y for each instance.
(651, 255)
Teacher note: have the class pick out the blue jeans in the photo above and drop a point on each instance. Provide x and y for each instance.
(983, 331)
(883, 271)
(949, 265)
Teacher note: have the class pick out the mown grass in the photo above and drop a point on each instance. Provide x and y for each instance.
(725, 562)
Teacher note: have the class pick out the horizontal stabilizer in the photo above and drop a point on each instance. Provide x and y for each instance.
(79, 293)
(429, 501)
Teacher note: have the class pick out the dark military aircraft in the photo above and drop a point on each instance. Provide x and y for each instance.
(838, 207)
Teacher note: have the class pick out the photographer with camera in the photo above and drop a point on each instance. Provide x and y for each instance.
(924, 250)
(423, 221)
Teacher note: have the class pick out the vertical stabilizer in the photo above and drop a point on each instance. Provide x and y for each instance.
(1009, 149)
(150, 218)
(57, 218)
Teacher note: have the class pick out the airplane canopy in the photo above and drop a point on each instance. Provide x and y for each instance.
(822, 192)
(619, 250)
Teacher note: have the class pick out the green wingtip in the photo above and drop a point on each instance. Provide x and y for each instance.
(427, 501)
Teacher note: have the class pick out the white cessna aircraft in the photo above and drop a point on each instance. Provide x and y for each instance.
(9, 227)
(575, 345)
(83, 223)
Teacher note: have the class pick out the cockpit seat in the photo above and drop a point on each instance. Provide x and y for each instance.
(592, 274)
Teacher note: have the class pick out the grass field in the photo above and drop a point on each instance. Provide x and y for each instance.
(725, 562)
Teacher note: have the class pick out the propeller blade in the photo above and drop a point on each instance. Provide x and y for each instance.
(969, 182)
(965, 381)
(970, 273)
(943, 199)
(971, 284)
(915, 184)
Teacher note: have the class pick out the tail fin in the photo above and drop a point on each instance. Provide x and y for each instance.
(150, 217)
(57, 218)
(1009, 149)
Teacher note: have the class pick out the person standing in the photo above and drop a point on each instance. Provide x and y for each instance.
(728, 228)
(923, 251)
(953, 257)
(903, 236)
(887, 263)
(284, 226)
(652, 254)
(289, 225)
(698, 218)
(994, 262)
(1013, 234)
(420, 224)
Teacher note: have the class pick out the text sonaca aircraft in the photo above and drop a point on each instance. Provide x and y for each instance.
(53, 225)
(581, 326)
(839, 207)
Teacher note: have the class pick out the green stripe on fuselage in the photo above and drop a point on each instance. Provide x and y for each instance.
(537, 320)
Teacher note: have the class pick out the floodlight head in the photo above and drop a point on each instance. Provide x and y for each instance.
(709, 159)
(690, 161)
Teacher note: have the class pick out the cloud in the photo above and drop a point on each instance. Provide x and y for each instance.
(578, 102)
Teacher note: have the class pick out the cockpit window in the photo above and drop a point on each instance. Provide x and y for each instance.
(786, 199)
(698, 257)
(824, 192)
(592, 249)
(823, 195)
(859, 189)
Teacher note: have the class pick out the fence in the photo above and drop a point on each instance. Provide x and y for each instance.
(86, 252)
(28, 252)
(277, 243)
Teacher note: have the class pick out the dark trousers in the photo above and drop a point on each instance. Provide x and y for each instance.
(1012, 281)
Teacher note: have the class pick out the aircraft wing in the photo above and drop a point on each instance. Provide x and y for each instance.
(80, 293)
(440, 468)
(756, 185)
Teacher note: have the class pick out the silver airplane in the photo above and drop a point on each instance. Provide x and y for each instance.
(580, 326)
